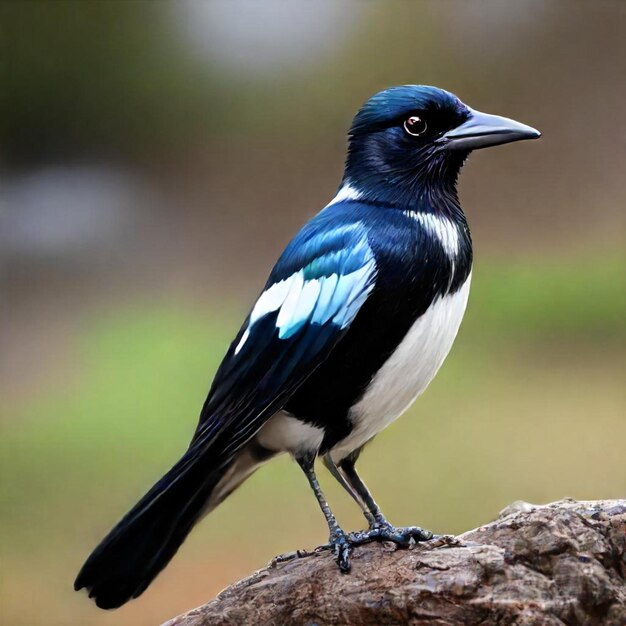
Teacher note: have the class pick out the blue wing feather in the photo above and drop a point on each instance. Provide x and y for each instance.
(314, 292)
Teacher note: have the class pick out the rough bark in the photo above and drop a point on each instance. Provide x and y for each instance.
(561, 563)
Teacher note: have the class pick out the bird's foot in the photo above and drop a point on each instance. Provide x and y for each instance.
(384, 531)
(341, 546)
(342, 543)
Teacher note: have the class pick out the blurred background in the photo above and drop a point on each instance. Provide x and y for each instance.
(155, 157)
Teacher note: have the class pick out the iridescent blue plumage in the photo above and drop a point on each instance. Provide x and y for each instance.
(397, 103)
(355, 319)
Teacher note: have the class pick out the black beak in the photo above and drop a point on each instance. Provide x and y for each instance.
(482, 130)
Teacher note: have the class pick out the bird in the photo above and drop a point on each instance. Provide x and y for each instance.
(354, 321)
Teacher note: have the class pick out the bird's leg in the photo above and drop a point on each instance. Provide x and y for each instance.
(338, 539)
(339, 477)
(379, 529)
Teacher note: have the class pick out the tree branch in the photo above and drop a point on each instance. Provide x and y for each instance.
(562, 563)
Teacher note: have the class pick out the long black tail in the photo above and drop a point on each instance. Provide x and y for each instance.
(128, 559)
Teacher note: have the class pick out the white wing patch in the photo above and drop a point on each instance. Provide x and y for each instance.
(441, 228)
(334, 298)
(298, 306)
(271, 299)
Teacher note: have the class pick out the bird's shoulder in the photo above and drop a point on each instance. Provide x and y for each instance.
(416, 249)
(345, 232)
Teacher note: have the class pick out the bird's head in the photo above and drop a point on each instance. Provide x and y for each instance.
(415, 138)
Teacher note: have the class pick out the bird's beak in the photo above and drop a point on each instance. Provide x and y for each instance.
(482, 130)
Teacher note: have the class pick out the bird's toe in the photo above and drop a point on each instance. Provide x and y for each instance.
(386, 532)
(416, 533)
(341, 549)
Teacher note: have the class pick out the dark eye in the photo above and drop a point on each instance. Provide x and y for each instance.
(415, 126)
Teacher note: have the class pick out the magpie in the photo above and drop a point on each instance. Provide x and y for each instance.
(355, 319)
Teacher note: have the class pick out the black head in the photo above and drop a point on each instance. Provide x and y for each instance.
(415, 138)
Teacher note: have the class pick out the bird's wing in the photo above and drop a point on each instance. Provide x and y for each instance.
(313, 294)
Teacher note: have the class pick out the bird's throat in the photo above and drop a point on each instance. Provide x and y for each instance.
(428, 185)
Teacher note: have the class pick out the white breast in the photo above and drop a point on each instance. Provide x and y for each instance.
(407, 372)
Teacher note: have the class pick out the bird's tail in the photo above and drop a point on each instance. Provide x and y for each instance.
(129, 558)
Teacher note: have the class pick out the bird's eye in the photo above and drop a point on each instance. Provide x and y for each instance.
(415, 126)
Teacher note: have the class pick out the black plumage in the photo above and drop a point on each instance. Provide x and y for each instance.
(355, 319)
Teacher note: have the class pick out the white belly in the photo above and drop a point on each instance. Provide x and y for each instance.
(407, 372)
(284, 433)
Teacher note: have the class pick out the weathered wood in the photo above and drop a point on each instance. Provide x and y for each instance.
(561, 563)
